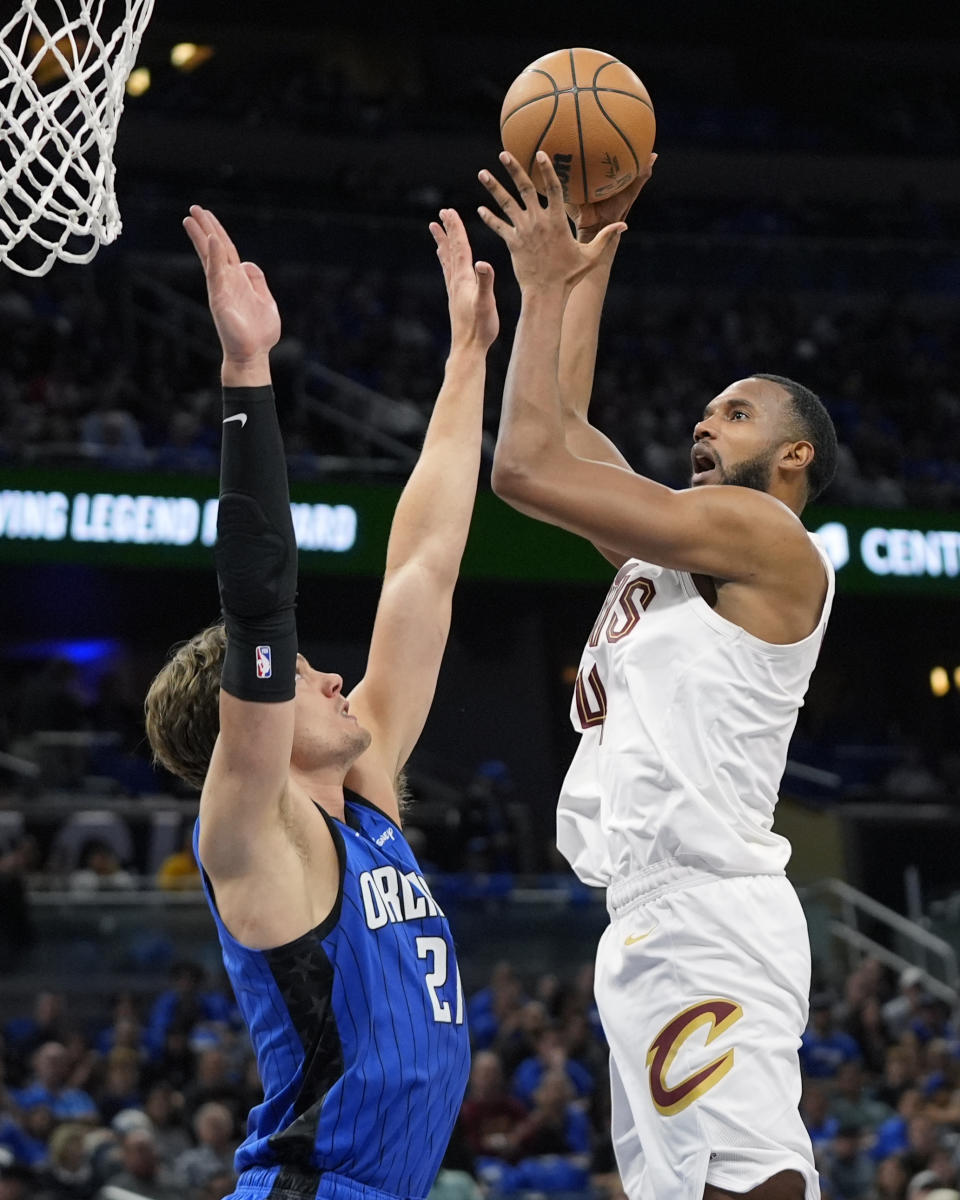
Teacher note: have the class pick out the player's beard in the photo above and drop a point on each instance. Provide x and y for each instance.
(753, 473)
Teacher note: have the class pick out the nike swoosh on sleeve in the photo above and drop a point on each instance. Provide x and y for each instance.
(241, 417)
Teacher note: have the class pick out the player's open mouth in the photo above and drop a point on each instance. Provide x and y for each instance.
(704, 465)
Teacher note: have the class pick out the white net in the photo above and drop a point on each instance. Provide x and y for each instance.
(63, 71)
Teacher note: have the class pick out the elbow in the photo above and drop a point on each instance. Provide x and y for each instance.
(519, 477)
(508, 478)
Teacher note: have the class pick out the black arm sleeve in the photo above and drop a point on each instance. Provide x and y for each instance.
(256, 551)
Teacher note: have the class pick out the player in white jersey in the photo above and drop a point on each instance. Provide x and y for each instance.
(686, 699)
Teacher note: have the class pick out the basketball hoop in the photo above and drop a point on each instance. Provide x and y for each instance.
(63, 69)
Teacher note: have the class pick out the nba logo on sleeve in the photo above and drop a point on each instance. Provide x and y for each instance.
(264, 666)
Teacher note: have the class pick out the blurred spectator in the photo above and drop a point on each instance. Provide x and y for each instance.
(125, 1032)
(179, 871)
(187, 446)
(555, 1124)
(100, 870)
(824, 1047)
(931, 1020)
(184, 1003)
(142, 1172)
(175, 1063)
(487, 1007)
(121, 1085)
(17, 1144)
(923, 1185)
(456, 1179)
(519, 1032)
(580, 1042)
(213, 1154)
(893, 1134)
(68, 1174)
(16, 929)
(890, 1180)
(486, 830)
(923, 1140)
(217, 1186)
(815, 1111)
(865, 1025)
(853, 1103)
(553, 1142)
(944, 1167)
(847, 1166)
(16, 1182)
(37, 1122)
(899, 1073)
(490, 1117)
(48, 1086)
(112, 436)
(550, 1055)
(213, 1080)
(163, 1106)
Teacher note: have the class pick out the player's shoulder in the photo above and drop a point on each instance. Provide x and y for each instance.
(365, 815)
(771, 523)
(750, 503)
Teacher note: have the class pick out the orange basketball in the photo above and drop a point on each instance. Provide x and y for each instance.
(589, 112)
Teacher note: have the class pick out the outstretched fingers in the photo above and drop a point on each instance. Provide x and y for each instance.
(551, 183)
(508, 205)
(200, 239)
(528, 193)
(232, 256)
(457, 243)
(216, 261)
(500, 227)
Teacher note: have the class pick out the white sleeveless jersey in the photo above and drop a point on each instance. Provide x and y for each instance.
(685, 719)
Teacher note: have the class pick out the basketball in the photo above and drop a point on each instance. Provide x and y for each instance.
(589, 112)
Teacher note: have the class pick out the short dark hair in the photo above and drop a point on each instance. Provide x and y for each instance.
(813, 424)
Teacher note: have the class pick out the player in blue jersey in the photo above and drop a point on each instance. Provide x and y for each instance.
(342, 962)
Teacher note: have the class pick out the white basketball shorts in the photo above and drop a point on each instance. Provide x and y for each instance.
(702, 985)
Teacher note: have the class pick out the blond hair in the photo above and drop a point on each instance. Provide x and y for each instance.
(183, 706)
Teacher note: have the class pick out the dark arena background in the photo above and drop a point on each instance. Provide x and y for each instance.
(803, 219)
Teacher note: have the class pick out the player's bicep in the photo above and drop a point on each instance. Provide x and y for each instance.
(245, 783)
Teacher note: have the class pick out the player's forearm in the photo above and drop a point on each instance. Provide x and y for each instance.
(579, 338)
(432, 518)
(258, 597)
(531, 434)
(578, 360)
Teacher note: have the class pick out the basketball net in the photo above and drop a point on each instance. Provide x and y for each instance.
(63, 69)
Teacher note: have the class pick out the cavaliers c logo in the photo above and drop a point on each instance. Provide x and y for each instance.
(719, 1015)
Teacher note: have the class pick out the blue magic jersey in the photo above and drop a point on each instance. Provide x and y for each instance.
(358, 1027)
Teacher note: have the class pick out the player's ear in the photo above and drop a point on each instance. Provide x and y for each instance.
(796, 456)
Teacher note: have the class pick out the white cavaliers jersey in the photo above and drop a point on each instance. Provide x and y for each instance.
(685, 721)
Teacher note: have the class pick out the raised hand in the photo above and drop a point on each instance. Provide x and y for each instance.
(473, 308)
(544, 252)
(244, 311)
(589, 219)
